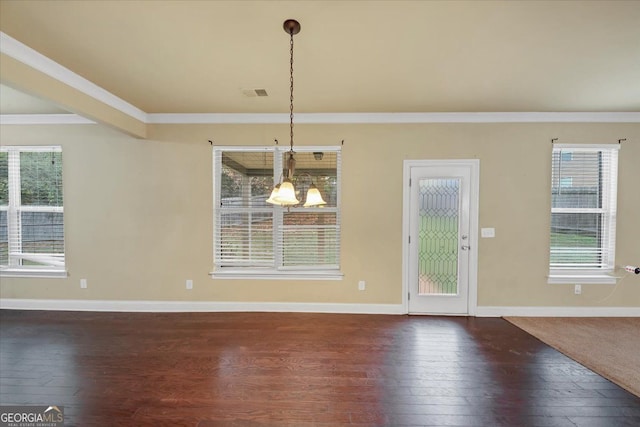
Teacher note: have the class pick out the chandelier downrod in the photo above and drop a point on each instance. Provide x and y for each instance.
(291, 26)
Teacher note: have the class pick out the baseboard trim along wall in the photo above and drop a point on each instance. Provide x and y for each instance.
(296, 307)
(487, 311)
(197, 306)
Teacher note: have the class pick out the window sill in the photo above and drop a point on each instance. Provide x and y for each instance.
(43, 273)
(601, 278)
(277, 275)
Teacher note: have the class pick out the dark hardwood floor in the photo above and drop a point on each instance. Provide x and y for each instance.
(277, 369)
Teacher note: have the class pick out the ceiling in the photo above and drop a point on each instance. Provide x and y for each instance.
(351, 56)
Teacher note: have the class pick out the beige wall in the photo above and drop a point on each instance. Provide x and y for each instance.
(138, 213)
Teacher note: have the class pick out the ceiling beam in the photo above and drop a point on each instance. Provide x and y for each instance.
(31, 72)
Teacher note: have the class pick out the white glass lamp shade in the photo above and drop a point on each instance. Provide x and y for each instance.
(314, 198)
(274, 195)
(287, 194)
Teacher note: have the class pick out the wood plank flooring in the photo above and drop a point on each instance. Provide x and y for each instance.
(293, 369)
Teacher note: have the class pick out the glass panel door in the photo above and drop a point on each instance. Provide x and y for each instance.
(438, 236)
(439, 244)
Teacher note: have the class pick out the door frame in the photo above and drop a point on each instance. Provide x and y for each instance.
(474, 201)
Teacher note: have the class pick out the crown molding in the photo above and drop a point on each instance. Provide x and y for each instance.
(394, 118)
(44, 119)
(336, 118)
(34, 59)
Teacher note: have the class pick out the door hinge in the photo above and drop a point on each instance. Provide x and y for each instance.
(409, 296)
(409, 182)
(409, 239)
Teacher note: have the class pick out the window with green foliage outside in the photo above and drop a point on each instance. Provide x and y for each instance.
(31, 209)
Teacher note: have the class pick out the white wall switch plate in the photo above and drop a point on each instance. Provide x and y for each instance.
(361, 285)
(488, 232)
(83, 283)
(577, 289)
(189, 284)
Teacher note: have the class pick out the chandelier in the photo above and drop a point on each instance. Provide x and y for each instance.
(284, 193)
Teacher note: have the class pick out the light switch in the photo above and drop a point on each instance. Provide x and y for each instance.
(488, 232)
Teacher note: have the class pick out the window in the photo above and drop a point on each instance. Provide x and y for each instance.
(566, 181)
(255, 239)
(583, 210)
(566, 156)
(31, 211)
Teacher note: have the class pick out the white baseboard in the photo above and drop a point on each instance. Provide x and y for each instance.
(296, 307)
(196, 306)
(486, 311)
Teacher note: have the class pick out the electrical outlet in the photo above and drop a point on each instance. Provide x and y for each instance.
(189, 284)
(362, 285)
(83, 283)
(577, 289)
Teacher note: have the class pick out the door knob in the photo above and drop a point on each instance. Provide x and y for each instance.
(465, 247)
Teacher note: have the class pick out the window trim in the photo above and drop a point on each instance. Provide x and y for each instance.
(271, 274)
(276, 273)
(560, 277)
(32, 271)
(596, 275)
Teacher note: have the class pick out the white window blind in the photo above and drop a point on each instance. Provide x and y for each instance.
(583, 207)
(250, 234)
(310, 239)
(31, 209)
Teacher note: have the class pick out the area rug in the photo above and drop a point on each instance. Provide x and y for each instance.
(609, 346)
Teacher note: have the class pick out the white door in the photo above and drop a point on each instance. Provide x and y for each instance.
(440, 240)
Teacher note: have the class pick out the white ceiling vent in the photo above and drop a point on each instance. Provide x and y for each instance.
(254, 92)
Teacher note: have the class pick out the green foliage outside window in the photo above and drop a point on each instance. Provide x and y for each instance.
(4, 178)
(41, 179)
